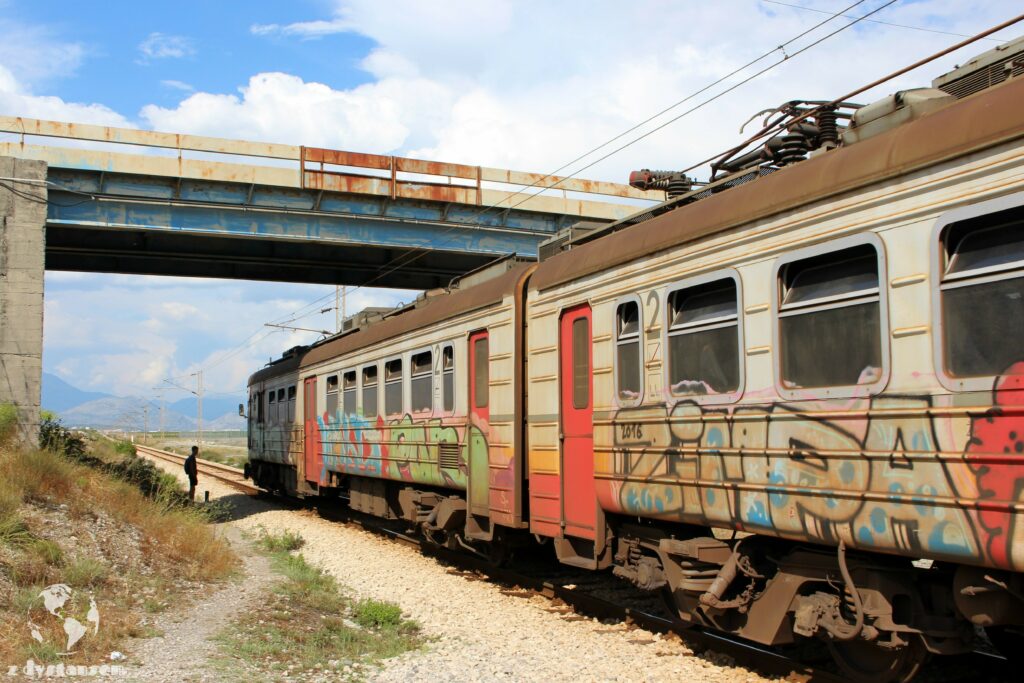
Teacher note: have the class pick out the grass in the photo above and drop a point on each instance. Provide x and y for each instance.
(370, 613)
(8, 421)
(309, 624)
(285, 542)
(80, 481)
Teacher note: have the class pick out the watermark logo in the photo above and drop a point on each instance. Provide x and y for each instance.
(60, 605)
(61, 619)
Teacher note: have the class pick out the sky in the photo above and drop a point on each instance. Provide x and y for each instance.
(521, 84)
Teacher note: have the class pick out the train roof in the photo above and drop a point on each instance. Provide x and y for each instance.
(288, 362)
(434, 310)
(986, 119)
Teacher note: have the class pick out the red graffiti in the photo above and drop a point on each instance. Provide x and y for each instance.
(996, 435)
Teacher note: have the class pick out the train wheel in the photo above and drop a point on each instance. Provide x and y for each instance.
(863, 661)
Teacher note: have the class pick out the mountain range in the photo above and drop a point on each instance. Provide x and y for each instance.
(78, 408)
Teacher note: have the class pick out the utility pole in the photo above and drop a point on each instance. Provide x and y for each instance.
(163, 409)
(337, 309)
(145, 422)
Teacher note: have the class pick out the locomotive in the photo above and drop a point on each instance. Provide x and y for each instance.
(789, 398)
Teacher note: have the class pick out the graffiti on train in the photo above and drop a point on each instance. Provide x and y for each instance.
(404, 448)
(884, 473)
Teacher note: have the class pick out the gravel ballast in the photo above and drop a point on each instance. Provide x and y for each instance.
(477, 633)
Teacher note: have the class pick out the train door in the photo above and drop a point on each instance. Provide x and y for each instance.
(579, 498)
(480, 413)
(311, 433)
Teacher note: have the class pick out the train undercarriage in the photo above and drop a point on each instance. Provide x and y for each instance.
(879, 617)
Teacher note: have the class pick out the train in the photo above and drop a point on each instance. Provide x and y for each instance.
(790, 398)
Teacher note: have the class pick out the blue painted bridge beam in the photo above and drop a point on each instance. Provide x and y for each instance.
(101, 222)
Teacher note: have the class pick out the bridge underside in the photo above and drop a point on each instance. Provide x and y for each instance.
(184, 254)
(121, 223)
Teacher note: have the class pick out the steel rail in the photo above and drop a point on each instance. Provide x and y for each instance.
(744, 653)
(233, 476)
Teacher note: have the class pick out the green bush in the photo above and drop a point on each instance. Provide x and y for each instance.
(377, 614)
(125, 447)
(56, 437)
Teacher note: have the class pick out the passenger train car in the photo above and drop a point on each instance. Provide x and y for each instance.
(791, 399)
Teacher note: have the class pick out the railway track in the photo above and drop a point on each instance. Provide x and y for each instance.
(600, 596)
(233, 476)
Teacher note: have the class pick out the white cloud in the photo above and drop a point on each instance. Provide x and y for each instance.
(34, 54)
(531, 84)
(279, 107)
(162, 46)
(16, 99)
(525, 85)
(177, 310)
(124, 334)
(303, 29)
(177, 85)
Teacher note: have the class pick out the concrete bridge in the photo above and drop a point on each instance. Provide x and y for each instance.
(117, 200)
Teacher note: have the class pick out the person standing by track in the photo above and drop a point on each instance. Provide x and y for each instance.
(192, 470)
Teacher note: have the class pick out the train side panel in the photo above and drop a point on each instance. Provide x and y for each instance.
(903, 462)
(375, 419)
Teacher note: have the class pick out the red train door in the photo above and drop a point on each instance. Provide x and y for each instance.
(579, 497)
(311, 464)
(480, 408)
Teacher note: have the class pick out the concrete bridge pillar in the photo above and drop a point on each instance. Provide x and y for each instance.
(22, 244)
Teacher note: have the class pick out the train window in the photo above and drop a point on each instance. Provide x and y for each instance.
(291, 404)
(448, 378)
(830, 319)
(332, 394)
(280, 395)
(421, 382)
(581, 362)
(348, 392)
(628, 373)
(982, 294)
(481, 373)
(370, 391)
(393, 387)
(703, 338)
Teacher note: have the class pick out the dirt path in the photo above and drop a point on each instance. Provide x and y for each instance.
(184, 651)
(479, 634)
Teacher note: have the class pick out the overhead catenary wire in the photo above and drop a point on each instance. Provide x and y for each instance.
(806, 8)
(746, 80)
(661, 126)
(864, 88)
(845, 97)
(412, 256)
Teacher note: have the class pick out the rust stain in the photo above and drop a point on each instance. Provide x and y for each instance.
(341, 158)
(436, 168)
